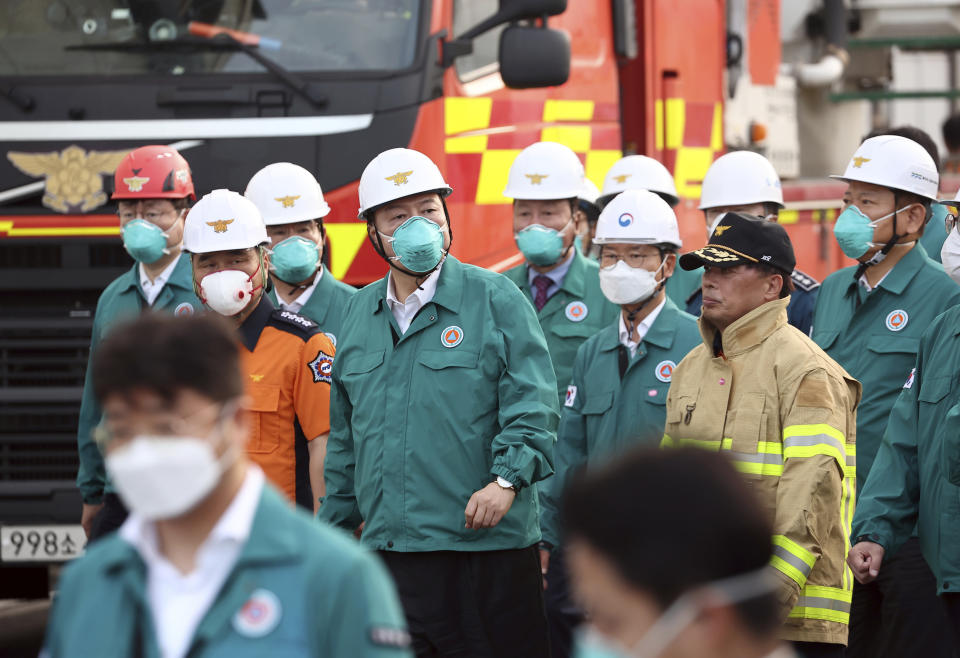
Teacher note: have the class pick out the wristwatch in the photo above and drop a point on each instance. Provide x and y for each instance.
(504, 483)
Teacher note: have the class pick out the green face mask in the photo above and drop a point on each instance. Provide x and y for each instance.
(295, 259)
(540, 245)
(144, 241)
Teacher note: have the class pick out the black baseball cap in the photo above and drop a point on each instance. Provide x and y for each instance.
(740, 239)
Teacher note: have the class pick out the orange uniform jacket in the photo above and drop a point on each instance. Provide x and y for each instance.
(287, 364)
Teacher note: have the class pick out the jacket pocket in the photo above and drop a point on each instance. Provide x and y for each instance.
(449, 358)
(750, 423)
(583, 329)
(597, 403)
(893, 344)
(950, 445)
(264, 402)
(825, 339)
(358, 376)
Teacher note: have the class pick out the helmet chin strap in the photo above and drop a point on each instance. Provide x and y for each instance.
(878, 257)
(419, 277)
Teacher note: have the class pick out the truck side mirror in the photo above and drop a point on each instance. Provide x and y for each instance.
(534, 57)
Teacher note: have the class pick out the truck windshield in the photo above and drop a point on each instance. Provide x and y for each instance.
(40, 37)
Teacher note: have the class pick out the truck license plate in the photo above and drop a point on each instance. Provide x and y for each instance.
(41, 543)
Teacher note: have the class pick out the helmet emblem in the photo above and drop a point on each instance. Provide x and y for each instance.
(622, 178)
(220, 225)
(135, 183)
(720, 230)
(399, 178)
(858, 161)
(536, 179)
(287, 201)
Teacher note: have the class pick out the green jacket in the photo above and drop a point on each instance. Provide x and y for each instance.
(326, 304)
(563, 328)
(121, 300)
(605, 414)
(332, 598)
(420, 421)
(683, 285)
(875, 336)
(916, 475)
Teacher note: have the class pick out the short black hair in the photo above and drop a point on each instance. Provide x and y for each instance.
(951, 132)
(671, 521)
(166, 355)
(770, 270)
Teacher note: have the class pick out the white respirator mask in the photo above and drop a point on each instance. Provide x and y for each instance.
(228, 291)
(160, 477)
(622, 284)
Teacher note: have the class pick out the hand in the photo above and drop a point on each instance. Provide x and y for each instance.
(865, 559)
(487, 506)
(86, 516)
(358, 532)
(544, 565)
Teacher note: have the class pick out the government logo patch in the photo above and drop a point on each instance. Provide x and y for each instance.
(259, 616)
(183, 310)
(321, 367)
(897, 320)
(576, 311)
(451, 336)
(664, 371)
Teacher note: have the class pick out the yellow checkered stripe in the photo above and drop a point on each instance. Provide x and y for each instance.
(467, 128)
(792, 560)
(824, 604)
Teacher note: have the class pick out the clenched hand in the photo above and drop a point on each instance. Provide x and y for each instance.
(487, 506)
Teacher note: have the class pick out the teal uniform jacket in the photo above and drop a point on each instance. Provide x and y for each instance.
(935, 233)
(122, 300)
(575, 312)
(875, 336)
(916, 475)
(420, 421)
(683, 285)
(605, 414)
(323, 595)
(326, 304)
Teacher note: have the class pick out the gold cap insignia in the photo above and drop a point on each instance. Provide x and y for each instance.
(220, 225)
(287, 201)
(135, 183)
(858, 161)
(720, 230)
(622, 178)
(399, 178)
(536, 179)
(256, 378)
(72, 176)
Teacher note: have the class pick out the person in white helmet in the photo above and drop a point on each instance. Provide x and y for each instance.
(562, 284)
(870, 318)
(588, 210)
(444, 415)
(286, 358)
(746, 182)
(616, 397)
(292, 205)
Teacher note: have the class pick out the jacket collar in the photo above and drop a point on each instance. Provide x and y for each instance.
(903, 272)
(449, 292)
(749, 330)
(253, 326)
(180, 277)
(661, 332)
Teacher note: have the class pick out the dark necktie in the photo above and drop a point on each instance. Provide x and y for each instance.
(541, 283)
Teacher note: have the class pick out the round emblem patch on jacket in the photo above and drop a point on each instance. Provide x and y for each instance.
(576, 311)
(451, 336)
(259, 615)
(664, 371)
(184, 309)
(321, 368)
(897, 320)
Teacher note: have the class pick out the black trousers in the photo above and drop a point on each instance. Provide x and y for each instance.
(817, 650)
(485, 604)
(951, 602)
(108, 519)
(563, 615)
(899, 613)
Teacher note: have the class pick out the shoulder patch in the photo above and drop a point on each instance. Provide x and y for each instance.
(571, 396)
(321, 368)
(293, 323)
(803, 281)
(910, 378)
(389, 637)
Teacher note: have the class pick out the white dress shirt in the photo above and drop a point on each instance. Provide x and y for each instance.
(404, 312)
(642, 329)
(298, 303)
(178, 602)
(151, 289)
(866, 284)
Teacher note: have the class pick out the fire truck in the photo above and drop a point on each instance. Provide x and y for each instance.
(328, 84)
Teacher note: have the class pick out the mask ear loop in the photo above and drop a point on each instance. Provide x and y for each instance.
(631, 315)
(878, 257)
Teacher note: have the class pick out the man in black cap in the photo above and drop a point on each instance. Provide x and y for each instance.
(765, 395)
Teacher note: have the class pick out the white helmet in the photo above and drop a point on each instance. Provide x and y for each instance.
(740, 178)
(638, 172)
(954, 202)
(895, 162)
(638, 217)
(589, 192)
(399, 173)
(286, 193)
(223, 221)
(543, 171)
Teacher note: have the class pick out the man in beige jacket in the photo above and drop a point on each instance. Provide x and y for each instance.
(784, 412)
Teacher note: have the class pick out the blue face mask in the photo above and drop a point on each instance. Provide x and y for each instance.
(295, 259)
(418, 244)
(144, 241)
(540, 245)
(854, 231)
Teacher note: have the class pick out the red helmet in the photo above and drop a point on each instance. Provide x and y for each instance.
(153, 172)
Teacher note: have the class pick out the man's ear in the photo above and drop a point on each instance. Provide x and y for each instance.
(669, 266)
(775, 283)
(914, 218)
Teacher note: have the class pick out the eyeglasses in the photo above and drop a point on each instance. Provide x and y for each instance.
(633, 259)
(950, 221)
(179, 426)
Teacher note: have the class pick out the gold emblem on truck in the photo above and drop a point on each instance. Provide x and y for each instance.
(72, 177)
